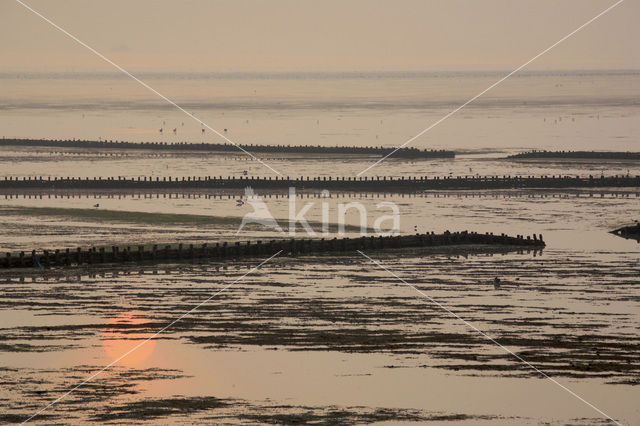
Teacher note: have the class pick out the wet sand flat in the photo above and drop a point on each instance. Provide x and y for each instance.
(324, 339)
(577, 324)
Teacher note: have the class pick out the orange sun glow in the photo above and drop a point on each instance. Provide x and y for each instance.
(121, 335)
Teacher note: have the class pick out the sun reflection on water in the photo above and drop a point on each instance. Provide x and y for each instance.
(123, 333)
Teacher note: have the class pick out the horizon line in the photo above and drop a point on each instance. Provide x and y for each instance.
(284, 73)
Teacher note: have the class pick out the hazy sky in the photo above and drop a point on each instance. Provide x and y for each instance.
(343, 35)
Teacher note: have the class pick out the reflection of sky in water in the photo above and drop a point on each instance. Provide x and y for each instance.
(584, 284)
(556, 111)
(77, 163)
(571, 221)
(562, 294)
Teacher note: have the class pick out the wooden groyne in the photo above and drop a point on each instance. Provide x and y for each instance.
(411, 153)
(177, 253)
(352, 184)
(632, 231)
(234, 194)
(575, 155)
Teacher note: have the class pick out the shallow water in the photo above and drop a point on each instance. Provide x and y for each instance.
(561, 110)
(339, 332)
(327, 338)
(343, 333)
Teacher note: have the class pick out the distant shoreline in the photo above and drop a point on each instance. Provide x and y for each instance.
(298, 74)
(581, 155)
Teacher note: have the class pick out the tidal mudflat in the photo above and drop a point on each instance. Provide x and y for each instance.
(326, 339)
(321, 339)
(336, 339)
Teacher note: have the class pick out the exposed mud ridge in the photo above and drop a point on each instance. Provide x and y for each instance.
(211, 409)
(580, 155)
(32, 389)
(225, 410)
(114, 397)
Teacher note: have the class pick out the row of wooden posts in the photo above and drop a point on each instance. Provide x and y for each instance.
(363, 183)
(235, 193)
(592, 155)
(224, 250)
(406, 152)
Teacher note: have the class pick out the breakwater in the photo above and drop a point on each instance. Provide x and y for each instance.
(235, 194)
(411, 153)
(577, 155)
(352, 184)
(632, 231)
(219, 251)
